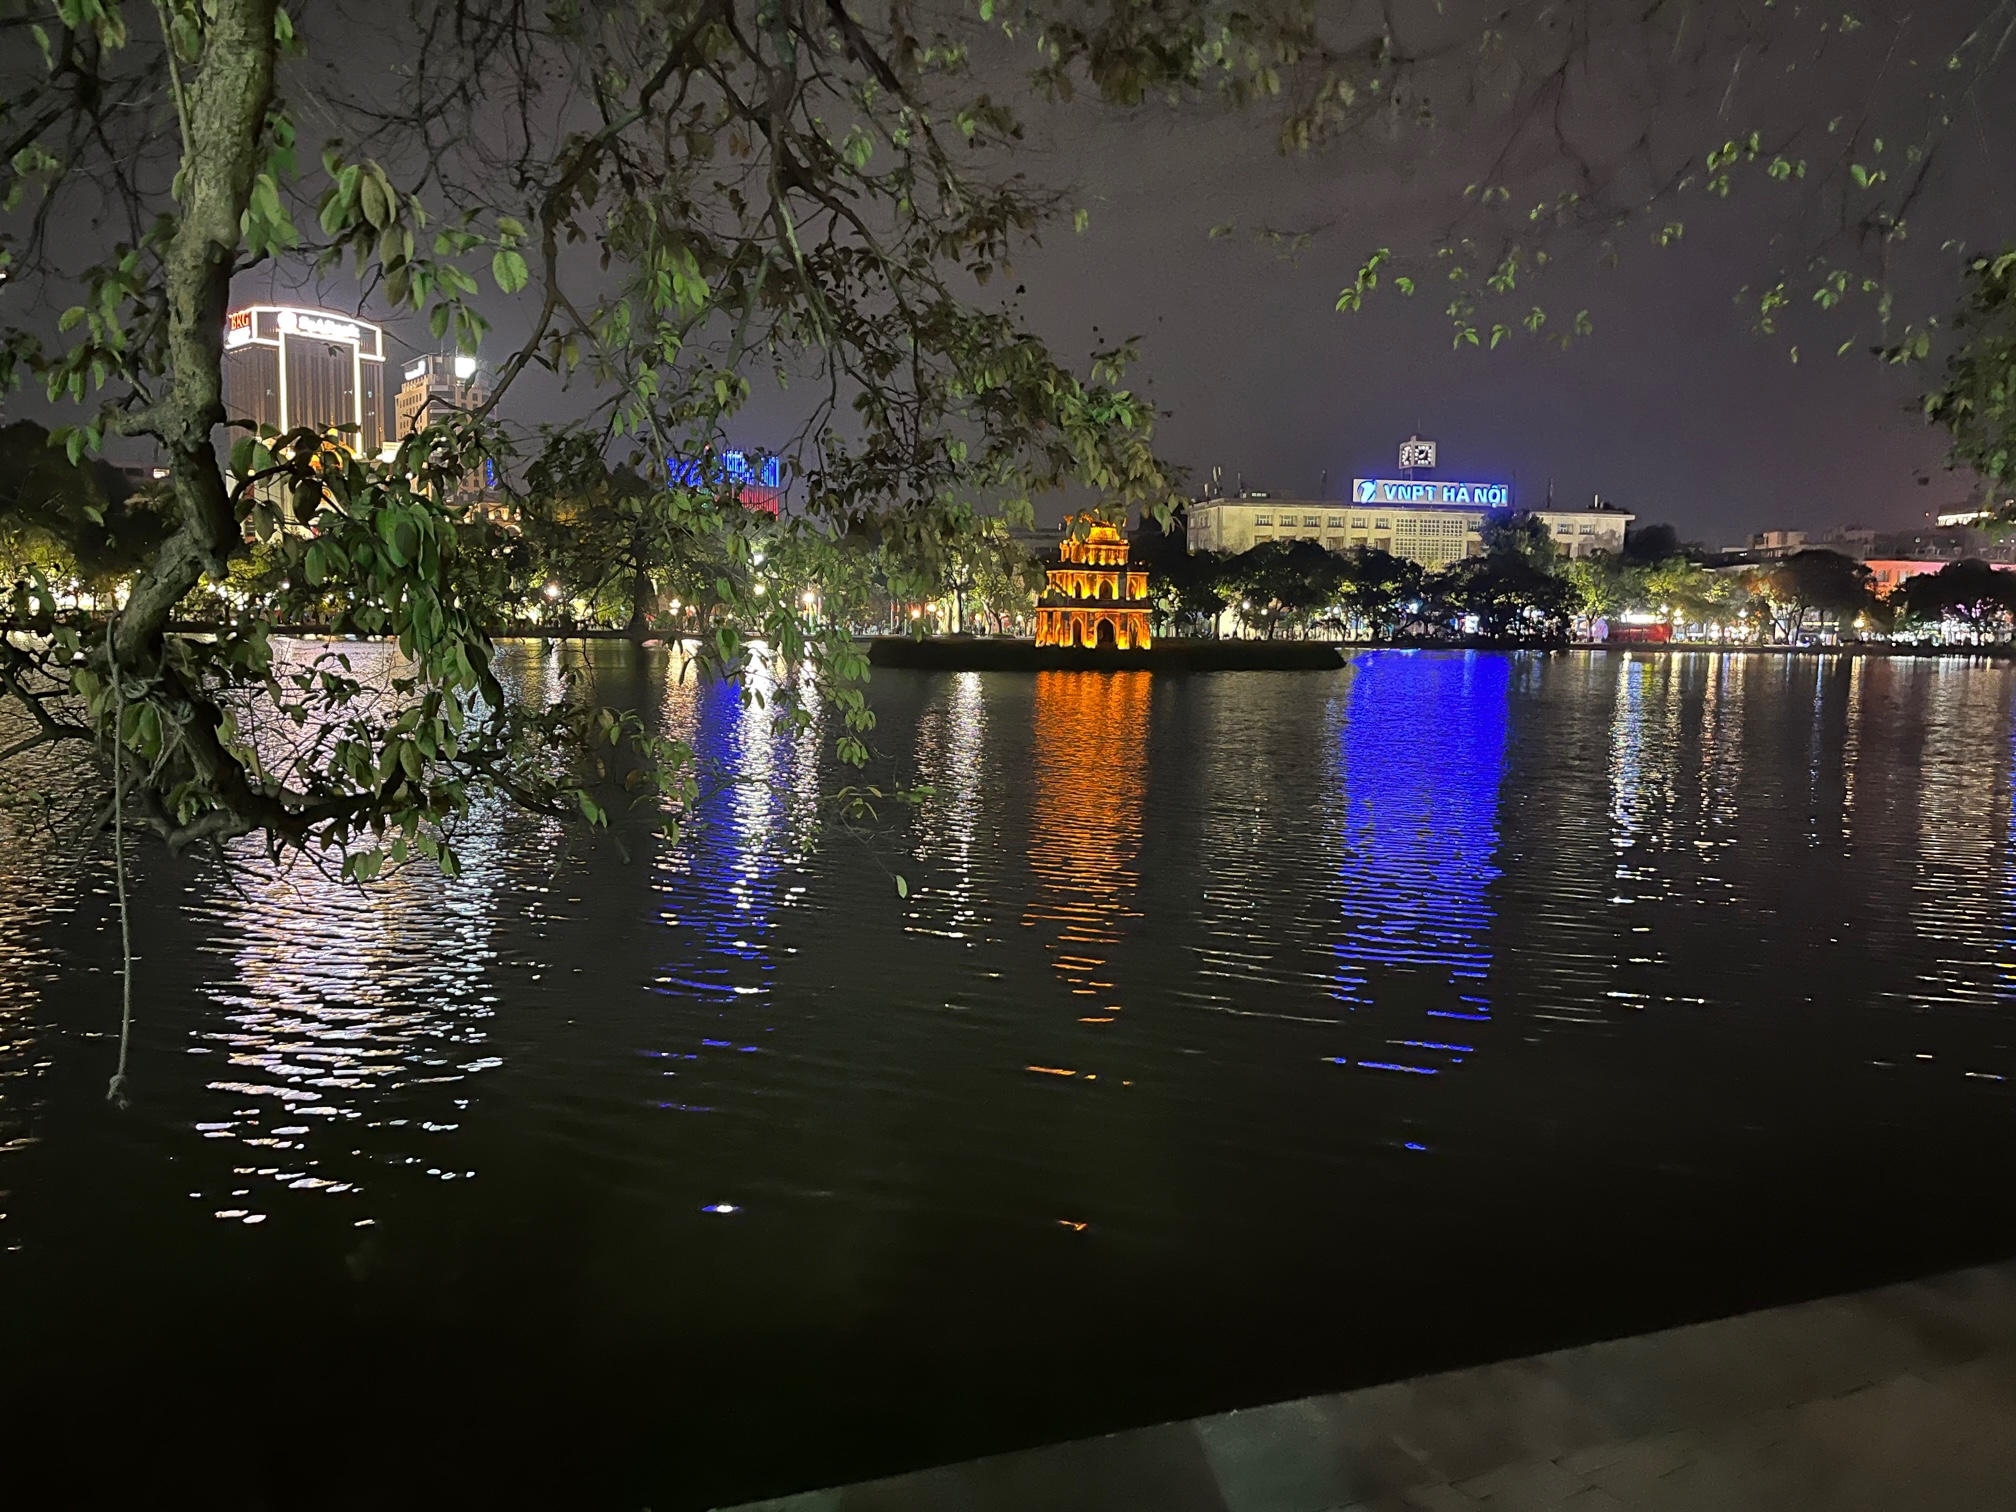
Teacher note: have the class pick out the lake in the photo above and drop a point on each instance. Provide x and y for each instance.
(1240, 1036)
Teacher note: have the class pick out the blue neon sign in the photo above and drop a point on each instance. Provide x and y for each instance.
(728, 467)
(1405, 491)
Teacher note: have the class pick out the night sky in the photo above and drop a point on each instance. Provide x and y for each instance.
(1674, 408)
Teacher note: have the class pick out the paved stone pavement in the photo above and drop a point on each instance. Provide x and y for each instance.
(1902, 1398)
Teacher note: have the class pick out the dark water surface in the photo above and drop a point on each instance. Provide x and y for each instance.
(1242, 1036)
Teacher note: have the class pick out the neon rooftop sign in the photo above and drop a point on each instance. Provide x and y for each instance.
(1406, 491)
(270, 325)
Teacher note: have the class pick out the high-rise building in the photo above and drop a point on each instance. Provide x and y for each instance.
(435, 386)
(289, 367)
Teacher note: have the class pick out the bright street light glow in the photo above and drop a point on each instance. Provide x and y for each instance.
(465, 367)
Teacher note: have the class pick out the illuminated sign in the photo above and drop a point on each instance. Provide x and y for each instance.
(1403, 491)
(270, 325)
(319, 325)
(728, 467)
(418, 370)
(1414, 452)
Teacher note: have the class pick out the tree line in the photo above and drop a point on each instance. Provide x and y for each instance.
(1521, 590)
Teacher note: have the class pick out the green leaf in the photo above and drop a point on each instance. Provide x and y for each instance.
(508, 268)
(902, 887)
(373, 201)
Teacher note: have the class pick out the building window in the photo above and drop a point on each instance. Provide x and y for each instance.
(1357, 522)
(1335, 543)
(1312, 522)
(1336, 522)
(1564, 528)
(1382, 524)
(1588, 530)
(1260, 519)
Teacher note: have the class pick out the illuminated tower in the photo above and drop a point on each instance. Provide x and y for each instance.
(1093, 599)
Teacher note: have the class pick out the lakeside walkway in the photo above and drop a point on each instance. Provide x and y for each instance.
(1901, 1398)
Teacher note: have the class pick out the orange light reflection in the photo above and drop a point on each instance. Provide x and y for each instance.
(1091, 743)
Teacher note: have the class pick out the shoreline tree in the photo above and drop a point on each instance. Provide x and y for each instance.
(770, 188)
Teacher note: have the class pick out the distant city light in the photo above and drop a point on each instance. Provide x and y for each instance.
(465, 367)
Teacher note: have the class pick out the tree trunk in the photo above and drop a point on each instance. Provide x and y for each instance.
(640, 607)
(226, 103)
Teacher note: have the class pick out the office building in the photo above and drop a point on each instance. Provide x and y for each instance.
(433, 387)
(1432, 523)
(289, 367)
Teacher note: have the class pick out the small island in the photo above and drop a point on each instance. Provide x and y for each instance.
(1093, 617)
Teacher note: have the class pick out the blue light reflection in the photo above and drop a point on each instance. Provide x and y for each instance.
(1420, 752)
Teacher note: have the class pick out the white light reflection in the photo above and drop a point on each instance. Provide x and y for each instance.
(345, 1002)
(951, 737)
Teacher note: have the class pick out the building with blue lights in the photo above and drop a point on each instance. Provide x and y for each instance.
(756, 482)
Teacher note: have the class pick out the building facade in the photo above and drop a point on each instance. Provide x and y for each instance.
(755, 481)
(433, 387)
(1093, 598)
(289, 367)
(1423, 529)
